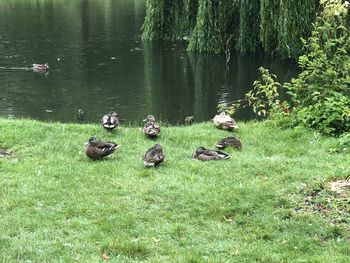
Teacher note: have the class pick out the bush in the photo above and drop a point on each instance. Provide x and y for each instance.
(319, 96)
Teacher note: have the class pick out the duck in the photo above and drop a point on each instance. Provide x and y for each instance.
(229, 141)
(151, 128)
(80, 116)
(153, 156)
(110, 121)
(204, 154)
(4, 153)
(96, 149)
(189, 120)
(40, 67)
(224, 122)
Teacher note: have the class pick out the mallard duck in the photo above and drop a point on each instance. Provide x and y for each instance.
(40, 67)
(80, 116)
(229, 141)
(4, 153)
(110, 121)
(204, 154)
(151, 128)
(153, 156)
(225, 122)
(189, 120)
(96, 150)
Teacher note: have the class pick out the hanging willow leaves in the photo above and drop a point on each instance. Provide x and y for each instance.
(275, 25)
(269, 12)
(249, 26)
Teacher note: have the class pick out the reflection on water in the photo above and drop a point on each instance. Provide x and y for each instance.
(98, 63)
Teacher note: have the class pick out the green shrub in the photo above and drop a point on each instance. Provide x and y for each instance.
(319, 96)
(320, 93)
(343, 145)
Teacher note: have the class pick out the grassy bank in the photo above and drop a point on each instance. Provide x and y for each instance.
(269, 202)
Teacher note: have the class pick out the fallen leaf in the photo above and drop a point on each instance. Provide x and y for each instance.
(228, 219)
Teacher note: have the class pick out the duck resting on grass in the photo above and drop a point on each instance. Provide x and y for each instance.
(229, 141)
(96, 150)
(204, 154)
(153, 156)
(225, 122)
(189, 120)
(40, 67)
(151, 128)
(4, 153)
(110, 121)
(80, 116)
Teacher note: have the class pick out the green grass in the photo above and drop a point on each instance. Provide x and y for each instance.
(56, 205)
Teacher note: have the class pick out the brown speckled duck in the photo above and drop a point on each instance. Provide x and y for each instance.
(151, 128)
(4, 153)
(225, 122)
(189, 120)
(229, 141)
(204, 154)
(110, 121)
(153, 156)
(96, 150)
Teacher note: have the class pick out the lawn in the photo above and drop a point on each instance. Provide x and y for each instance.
(270, 202)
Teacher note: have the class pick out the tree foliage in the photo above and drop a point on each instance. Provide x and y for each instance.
(320, 95)
(274, 25)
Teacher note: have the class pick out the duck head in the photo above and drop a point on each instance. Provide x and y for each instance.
(157, 147)
(113, 113)
(199, 151)
(150, 118)
(92, 141)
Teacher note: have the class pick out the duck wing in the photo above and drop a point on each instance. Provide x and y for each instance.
(213, 155)
(104, 120)
(153, 157)
(106, 146)
(97, 153)
(229, 141)
(151, 129)
(109, 121)
(113, 120)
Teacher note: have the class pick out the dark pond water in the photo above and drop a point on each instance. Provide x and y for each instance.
(98, 63)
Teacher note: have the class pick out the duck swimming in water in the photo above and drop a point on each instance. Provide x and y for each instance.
(40, 67)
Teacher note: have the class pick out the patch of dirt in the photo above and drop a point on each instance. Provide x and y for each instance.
(330, 200)
(341, 188)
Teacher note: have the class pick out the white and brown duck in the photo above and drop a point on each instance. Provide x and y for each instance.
(225, 122)
(151, 128)
(110, 121)
(204, 154)
(40, 67)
